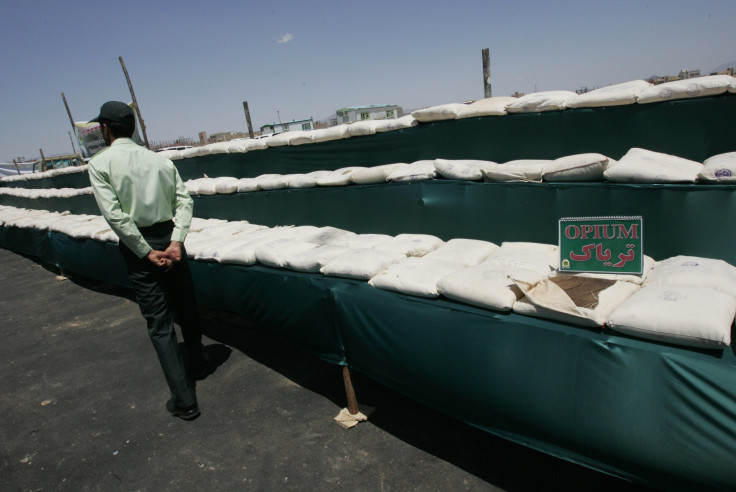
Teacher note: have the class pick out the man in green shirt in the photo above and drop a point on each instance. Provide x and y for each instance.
(145, 202)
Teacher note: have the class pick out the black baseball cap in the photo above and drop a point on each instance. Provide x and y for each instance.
(114, 111)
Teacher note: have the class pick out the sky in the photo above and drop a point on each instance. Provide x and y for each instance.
(193, 63)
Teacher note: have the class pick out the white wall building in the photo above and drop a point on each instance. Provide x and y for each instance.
(288, 126)
(360, 113)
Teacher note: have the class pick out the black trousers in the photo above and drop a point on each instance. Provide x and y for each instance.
(165, 297)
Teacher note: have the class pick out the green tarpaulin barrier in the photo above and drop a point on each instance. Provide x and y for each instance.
(645, 411)
(678, 219)
(69, 180)
(694, 129)
(81, 204)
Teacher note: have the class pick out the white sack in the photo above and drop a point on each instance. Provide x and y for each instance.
(312, 260)
(245, 253)
(237, 146)
(198, 224)
(247, 184)
(577, 300)
(203, 248)
(215, 148)
(275, 253)
(265, 178)
(363, 240)
(517, 170)
(191, 152)
(332, 133)
(278, 140)
(327, 235)
(376, 174)
(388, 125)
(193, 185)
(411, 244)
(414, 276)
(232, 228)
(438, 113)
(466, 169)
(339, 177)
(209, 185)
(680, 89)
(719, 168)
(275, 183)
(308, 180)
(694, 271)
(361, 264)
(255, 144)
(680, 314)
(416, 171)
(542, 101)
(227, 186)
(491, 106)
(646, 166)
(612, 95)
(300, 137)
(486, 286)
(360, 128)
(465, 252)
(578, 167)
(538, 257)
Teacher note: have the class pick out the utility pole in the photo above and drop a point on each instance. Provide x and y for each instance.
(486, 73)
(43, 161)
(247, 119)
(135, 102)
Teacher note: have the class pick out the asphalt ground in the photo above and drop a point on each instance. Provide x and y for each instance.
(83, 398)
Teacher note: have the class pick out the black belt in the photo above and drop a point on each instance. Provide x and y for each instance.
(157, 230)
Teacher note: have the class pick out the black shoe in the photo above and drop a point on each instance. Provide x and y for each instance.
(190, 413)
(203, 368)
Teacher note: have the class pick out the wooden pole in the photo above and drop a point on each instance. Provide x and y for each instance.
(16, 166)
(486, 73)
(74, 128)
(69, 113)
(247, 119)
(349, 391)
(137, 108)
(43, 161)
(74, 149)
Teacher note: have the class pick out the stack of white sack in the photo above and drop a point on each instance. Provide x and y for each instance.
(636, 166)
(44, 174)
(612, 95)
(293, 138)
(35, 193)
(684, 300)
(416, 171)
(491, 283)
(585, 299)
(376, 174)
(710, 85)
(542, 101)
(646, 166)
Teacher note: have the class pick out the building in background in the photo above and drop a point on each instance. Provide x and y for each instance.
(226, 136)
(288, 126)
(361, 113)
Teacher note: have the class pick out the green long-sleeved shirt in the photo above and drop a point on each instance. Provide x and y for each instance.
(134, 188)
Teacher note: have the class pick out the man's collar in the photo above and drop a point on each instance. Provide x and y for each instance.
(121, 140)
